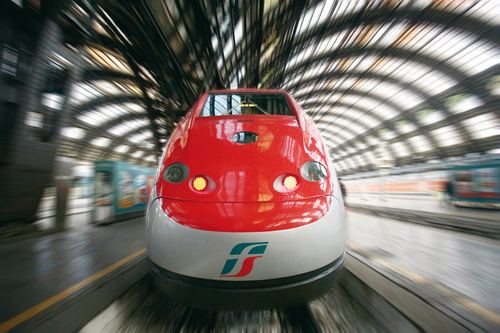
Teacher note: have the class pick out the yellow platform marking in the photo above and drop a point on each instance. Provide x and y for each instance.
(471, 305)
(4, 327)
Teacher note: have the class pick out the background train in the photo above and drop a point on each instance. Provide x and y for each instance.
(120, 190)
(475, 181)
(246, 212)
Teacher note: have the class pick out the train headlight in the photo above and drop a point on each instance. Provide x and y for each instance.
(286, 183)
(200, 183)
(290, 182)
(176, 173)
(313, 171)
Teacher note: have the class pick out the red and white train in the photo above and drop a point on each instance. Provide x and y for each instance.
(246, 212)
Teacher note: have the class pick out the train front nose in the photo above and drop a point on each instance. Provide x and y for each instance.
(254, 254)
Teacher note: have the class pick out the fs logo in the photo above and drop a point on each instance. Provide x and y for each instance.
(247, 266)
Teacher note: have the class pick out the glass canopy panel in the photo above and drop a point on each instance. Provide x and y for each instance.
(108, 60)
(134, 107)
(477, 57)
(303, 91)
(108, 88)
(341, 84)
(447, 136)
(346, 134)
(381, 35)
(336, 131)
(73, 132)
(463, 102)
(350, 161)
(95, 118)
(332, 135)
(334, 140)
(359, 160)
(380, 109)
(311, 72)
(140, 137)
(127, 127)
(400, 149)
(361, 146)
(147, 145)
(121, 149)
(388, 135)
(483, 126)
(34, 119)
(407, 127)
(357, 116)
(370, 156)
(330, 142)
(420, 144)
(137, 154)
(351, 150)
(456, 47)
(319, 13)
(396, 94)
(229, 46)
(103, 114)
(341, 123)
(100, 142)
(430, 39)
(150, 158)
(423, 77)
(486, 11)
(429, 116)
(53, 101)
(82, 93)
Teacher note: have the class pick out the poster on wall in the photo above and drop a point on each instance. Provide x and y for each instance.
(139, 190)
(463, 184)
(486, 183)
(126, 190)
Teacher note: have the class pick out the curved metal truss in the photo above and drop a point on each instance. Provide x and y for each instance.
(396, 82)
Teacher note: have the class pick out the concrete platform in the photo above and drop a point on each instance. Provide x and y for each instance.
(455, 274)
(424, 203)
(42, 278)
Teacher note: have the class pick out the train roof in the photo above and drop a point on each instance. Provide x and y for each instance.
(247, 90)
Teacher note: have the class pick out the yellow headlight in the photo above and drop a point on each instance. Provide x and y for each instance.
(290, 182)
(199, 183)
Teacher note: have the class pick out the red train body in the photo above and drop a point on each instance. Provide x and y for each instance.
(246, 169)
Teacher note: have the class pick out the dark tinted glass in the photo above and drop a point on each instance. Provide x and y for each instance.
(245, 104)
(245, 137)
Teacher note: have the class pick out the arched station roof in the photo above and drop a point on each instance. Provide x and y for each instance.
(400, 81)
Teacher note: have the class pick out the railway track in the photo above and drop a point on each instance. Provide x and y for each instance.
(144, 309)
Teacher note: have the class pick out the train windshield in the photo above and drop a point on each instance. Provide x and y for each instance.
(245, 104)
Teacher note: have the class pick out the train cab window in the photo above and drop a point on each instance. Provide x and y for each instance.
(245, 104)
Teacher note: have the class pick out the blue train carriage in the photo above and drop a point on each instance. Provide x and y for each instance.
(121, 190)
(476, 184)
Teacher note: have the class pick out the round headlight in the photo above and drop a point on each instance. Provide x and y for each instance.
(286, 183)
(313, 171)
(176, 173)
(200, 183)
(291, 182)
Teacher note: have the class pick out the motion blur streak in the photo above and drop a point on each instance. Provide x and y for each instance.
(66, 293)
(481, 310)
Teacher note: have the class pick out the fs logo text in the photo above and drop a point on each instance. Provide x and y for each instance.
(248, 252)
